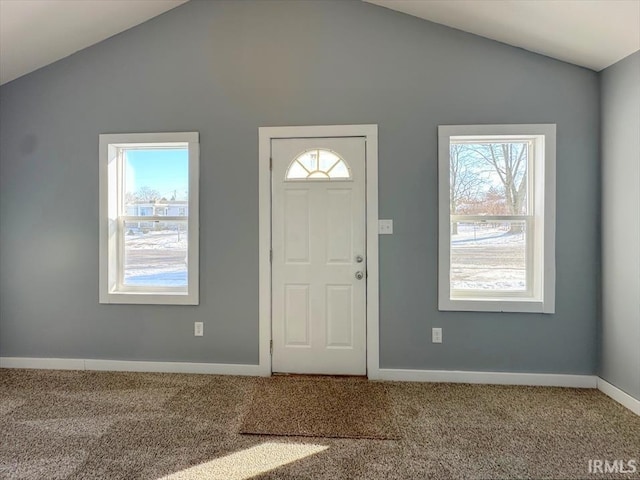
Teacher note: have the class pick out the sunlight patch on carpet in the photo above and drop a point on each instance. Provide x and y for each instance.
(249, 462)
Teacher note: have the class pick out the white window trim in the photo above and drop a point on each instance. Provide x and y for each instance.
(543, 300)
(108, 244)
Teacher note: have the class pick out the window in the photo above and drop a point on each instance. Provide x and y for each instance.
(497, 218)
(149, 218)
(318, 164)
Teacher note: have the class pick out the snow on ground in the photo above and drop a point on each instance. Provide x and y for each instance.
(156, 240)
(488, 257)
(489, 233)
(159, 279)
(157, 258)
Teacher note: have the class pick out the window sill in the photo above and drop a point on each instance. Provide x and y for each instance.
(141, 298)
(494, 305)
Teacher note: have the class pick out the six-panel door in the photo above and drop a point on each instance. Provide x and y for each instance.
(319, 256)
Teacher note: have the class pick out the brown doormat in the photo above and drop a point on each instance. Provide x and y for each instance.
(338, 407)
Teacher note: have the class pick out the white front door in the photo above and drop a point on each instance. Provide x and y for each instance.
(319, 255)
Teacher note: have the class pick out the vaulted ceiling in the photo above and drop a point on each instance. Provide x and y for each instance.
(590, 33)
(35, 33)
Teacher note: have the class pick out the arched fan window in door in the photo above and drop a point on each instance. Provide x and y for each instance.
(318, 164)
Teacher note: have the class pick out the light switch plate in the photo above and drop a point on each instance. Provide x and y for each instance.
(198, 329)
(436, 335)
(385, 227)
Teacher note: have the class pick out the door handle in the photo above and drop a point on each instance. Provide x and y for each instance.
(359, 275)
(359, 258)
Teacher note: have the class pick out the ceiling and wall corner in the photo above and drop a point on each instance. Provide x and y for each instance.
(592, 34)
(35, 33)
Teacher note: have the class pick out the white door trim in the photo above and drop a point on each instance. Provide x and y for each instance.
(265, 135)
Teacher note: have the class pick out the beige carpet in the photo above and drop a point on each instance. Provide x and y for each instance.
(308, 406)
(129, 426)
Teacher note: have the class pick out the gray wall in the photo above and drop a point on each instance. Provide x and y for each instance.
(226, 68)
(620, 362)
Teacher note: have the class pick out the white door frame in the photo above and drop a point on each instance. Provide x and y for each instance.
(265, 135)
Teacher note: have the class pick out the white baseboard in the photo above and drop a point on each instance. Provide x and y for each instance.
(129, 366)
(42, 363)
(619, 396)
(490, 378)
(451, 376)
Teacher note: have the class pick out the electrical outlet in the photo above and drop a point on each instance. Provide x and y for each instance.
(198, 329)
(436, 335)
(385, 227)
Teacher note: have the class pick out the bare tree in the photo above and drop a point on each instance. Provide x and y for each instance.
(464, 179)
(509, 161)
(147, 195)
(130, 198)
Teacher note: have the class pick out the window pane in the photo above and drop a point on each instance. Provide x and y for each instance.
(155, 254)
(318, 165)
(297, 171)
(327, 160)
(488, 256)
(489, 178)
(340, 170)
(156, 181)
(309, 160)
